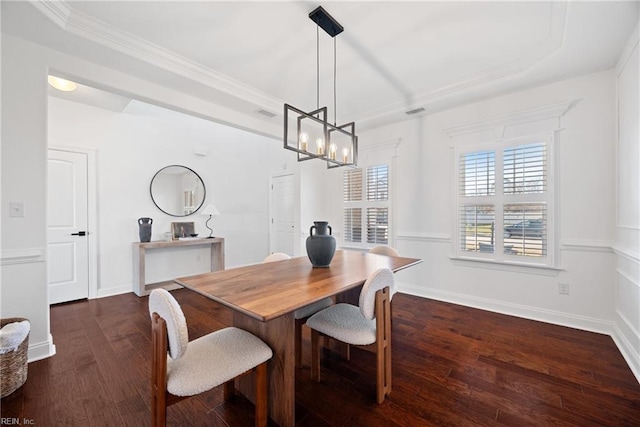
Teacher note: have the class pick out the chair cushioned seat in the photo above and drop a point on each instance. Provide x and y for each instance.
(214, 359)
(346, 323)
(308, 310)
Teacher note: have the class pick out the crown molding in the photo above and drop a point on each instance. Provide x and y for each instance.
(85, 26)
(58, 12)
(528, 59)
(90, 28)
(628, 50)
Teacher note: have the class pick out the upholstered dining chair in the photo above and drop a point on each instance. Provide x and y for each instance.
(194, 367)
(384, 250)
(367, 326)
(301, 315)
(388, 251)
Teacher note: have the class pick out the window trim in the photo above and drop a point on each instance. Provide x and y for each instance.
(549, 197)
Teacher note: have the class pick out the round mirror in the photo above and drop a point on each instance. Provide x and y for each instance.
(177, 190)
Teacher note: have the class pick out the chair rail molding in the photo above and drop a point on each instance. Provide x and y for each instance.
(22, 256)
(630, 255)
(424, 237)
(579, 245)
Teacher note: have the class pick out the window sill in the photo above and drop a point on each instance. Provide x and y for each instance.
(354, 248)
(541, 270)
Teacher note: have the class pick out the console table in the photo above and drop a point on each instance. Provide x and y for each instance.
(141, 288)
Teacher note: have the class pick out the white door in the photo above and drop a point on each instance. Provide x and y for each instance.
(282, 202)
(67, 212)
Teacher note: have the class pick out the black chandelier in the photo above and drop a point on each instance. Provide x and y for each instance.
(309, 133)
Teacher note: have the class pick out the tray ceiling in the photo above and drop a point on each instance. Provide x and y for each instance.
(391, 58)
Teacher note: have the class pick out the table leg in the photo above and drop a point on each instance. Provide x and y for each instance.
(279, 335)
(352, 296)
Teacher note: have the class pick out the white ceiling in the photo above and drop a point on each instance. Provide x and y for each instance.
(392, 57)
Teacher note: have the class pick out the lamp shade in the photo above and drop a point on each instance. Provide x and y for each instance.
(210, 209)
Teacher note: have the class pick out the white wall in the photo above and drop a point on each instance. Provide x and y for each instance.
(132, 147)
(25, 66)
(627, 240)
(24, 136)
(424, 184)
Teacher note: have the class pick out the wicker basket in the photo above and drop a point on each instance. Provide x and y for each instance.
(13, 365)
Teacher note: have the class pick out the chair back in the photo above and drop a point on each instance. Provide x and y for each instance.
(384, 250)
(378, 280)
(166, 306)
(278, 256)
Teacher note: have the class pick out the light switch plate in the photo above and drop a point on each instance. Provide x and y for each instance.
(16, 209)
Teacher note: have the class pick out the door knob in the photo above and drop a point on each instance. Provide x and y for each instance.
(79, 233)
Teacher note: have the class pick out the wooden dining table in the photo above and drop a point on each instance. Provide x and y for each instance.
(265, 296)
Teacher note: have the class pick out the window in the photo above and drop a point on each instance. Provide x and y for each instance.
(366, 206)
(505, 202)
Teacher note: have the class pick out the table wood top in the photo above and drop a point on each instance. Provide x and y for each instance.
(269, 290)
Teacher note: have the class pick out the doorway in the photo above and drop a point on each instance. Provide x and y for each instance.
(282, 214)
(69, 266)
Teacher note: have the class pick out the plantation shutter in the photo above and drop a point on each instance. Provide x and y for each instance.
(365, 212)
(352, 216)
(509, 220)
(525, 169)
(352, 185)
(378, 216)
(478, 174)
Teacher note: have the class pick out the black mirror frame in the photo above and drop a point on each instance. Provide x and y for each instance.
(204, 191)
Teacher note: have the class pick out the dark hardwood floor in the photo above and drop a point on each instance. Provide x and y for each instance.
(452, 365)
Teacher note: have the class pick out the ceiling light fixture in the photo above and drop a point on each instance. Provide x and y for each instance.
(337, 145)
(62, 84)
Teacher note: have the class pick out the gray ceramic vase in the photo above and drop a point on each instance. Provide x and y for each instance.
(321, 246)
(144, 226)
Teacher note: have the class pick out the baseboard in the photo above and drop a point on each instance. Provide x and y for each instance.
(527, 312)
(109, 292)
(41, 350)
(626, 347)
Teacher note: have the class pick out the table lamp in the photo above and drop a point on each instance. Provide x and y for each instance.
(210, 210)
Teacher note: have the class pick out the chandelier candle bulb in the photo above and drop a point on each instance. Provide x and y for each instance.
(332, 149)
(320, 144)
(345, 155)
(304, 138)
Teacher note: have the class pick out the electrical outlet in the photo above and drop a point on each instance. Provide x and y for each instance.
(16, 209)
(563, 288)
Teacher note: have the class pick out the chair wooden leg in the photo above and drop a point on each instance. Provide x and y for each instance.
(261, 395)
(387, 356)
(383, 345)
(158, 410)
(315, 355)
(345, 351)
(380, 372)
(159, 345)
(229, 389)
(298, 344)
